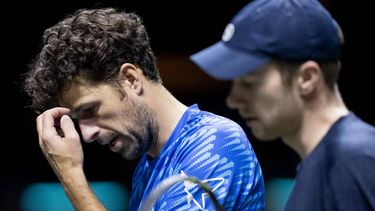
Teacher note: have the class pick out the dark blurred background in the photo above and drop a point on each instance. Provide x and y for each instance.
(177, 30)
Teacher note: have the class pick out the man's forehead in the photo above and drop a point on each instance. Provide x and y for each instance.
(72, 92)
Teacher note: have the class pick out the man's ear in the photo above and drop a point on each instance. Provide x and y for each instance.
(129, 76)
(309, 75)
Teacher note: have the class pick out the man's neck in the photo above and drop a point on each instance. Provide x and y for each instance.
(168, 111)
(318, 118)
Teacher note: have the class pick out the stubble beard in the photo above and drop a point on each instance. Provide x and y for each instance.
(143, 135)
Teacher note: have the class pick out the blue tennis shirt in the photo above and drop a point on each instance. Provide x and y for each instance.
(211, 148)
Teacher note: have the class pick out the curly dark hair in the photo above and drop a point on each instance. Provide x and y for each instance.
(92, 43)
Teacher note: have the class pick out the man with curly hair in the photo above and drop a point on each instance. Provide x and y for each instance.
(97, 66)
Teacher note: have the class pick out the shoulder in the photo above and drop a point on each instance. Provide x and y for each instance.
(353, 127)
(353, 147)
(209, 128)
(222, 125)
(209, 135)
(216, 137)
(351, 137)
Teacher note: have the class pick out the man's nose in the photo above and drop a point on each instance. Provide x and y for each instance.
(89, 132)
(232, 100)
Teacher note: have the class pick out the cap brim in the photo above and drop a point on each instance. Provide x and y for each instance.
(225, 63)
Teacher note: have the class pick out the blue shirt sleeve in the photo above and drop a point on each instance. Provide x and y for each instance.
(222, 157)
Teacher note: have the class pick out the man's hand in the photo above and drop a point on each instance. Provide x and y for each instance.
(60, 141)
(61, 145)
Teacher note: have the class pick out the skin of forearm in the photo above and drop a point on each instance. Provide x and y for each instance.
(79, 192)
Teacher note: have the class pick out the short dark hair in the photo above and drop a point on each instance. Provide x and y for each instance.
(330, 70)
(92, 43)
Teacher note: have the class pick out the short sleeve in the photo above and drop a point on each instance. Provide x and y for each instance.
(222, 157)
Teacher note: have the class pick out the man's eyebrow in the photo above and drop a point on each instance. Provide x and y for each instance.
(75, 111)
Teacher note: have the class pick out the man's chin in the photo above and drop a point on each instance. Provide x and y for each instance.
(130, 156)
(264, 137)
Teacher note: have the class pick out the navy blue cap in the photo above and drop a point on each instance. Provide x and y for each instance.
(297, 30)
